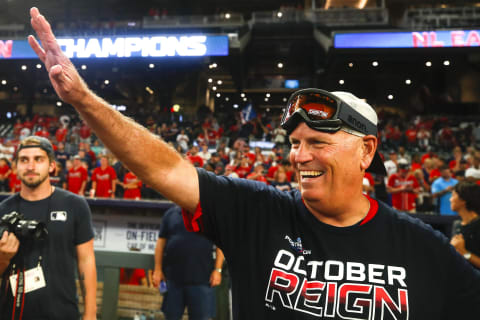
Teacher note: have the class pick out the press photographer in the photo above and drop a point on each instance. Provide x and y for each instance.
(43, 231)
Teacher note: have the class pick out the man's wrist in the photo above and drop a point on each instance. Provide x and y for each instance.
(219, 270)
(467, 255)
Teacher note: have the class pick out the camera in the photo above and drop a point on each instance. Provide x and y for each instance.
(15, 223)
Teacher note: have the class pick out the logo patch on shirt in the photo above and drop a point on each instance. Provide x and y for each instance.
(297, 245)
(58, 216)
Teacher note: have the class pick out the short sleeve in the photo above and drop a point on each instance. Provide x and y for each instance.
(83, 221)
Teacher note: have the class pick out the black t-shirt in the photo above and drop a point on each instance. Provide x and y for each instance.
(286, 264)
(68, 220)
(188, 256)
(471, 234)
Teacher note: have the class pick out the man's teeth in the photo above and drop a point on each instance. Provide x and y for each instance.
(311, 173)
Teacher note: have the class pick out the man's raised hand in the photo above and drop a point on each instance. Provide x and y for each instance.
(64, 77)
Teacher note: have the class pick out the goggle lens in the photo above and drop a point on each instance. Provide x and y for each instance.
(316, 106)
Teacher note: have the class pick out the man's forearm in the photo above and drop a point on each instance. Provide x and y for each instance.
(149, 157)
(4, 266)
(88, 282)
(219, 259)
(87, 273)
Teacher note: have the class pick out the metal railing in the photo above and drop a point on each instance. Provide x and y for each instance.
(193, 21)
(344, 17)
(441, 17)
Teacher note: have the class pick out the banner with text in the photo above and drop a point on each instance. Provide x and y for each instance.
(415, 39)
(156, 46)
(122, 233)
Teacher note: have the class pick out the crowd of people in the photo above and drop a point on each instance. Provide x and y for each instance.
(424, 156)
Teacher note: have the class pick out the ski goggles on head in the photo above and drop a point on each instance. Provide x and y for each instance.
(324, 111)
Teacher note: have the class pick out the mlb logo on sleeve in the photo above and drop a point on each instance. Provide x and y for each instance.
(58, 216)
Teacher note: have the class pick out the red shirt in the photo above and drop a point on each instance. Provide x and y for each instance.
(411, 135)
(131, 193)
(196, 159)
(43, 133)
(132, 278)
(4, 169)
(403, 200)
(75, 178)
(85, 132)
(61, 134)
(434, 174)
(103, 178)
(17, 128)
(370, 179)
(260, 178)
(14, 183)
(243, 171)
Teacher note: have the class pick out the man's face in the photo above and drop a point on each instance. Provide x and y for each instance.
(327, 165)
(446, 174)
(103, 162)
(33, 167)
(456, 202)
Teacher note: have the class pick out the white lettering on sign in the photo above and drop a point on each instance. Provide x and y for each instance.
(158, 46)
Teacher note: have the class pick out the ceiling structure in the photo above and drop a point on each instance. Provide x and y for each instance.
(251, 72)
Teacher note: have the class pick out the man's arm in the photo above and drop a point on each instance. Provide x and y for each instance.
(158, 271)
(216, 275)
(8, 249)
(436, 193)
(87, 274)
(114, 187)
(150, 158)
(93, 190)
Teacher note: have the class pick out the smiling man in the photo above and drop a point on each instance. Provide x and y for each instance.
(46, 263)
(324, 251)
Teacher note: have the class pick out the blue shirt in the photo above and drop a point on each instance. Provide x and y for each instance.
(441, 184)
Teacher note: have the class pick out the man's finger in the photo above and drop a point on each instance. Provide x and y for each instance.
(44, 31)
(56, 73)
(36, 47)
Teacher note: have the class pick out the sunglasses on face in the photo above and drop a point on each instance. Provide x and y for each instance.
(323, 111)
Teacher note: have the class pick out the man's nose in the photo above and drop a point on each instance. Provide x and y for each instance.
(303, 153)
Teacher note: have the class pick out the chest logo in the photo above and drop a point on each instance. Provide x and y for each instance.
(58, 216)
(297, 245)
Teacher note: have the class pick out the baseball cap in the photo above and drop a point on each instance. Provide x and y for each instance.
(37, 142)
(333, 111)
(370, 114)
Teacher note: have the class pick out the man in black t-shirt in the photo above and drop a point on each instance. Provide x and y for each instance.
(47, 264)
(324, 251)
(466, 233)
(184, 261)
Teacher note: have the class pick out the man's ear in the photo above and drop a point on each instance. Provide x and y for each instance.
(368, 151)
(52, 167)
